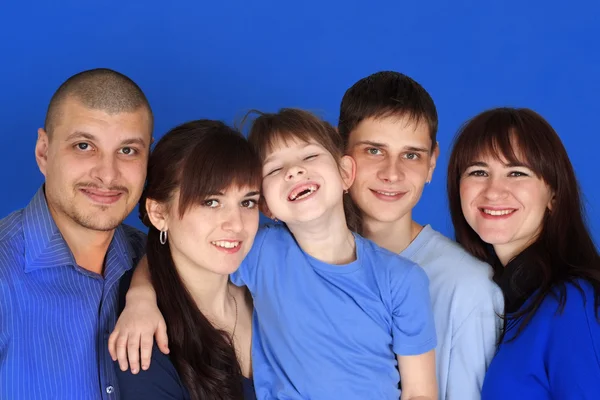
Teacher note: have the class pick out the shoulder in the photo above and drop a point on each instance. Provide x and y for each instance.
(577, 297)
(161, 377)
(272, 236)
(12, 242)
(11, 227)
(136, 239)
(390, 268)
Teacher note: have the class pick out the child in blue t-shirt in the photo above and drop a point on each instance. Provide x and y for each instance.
(335, 315)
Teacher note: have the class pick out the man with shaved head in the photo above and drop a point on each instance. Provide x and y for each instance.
(62, 256)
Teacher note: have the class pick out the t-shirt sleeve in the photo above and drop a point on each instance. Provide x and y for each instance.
(160, 381)
(246, 274)
(573, 350)
(413, 328)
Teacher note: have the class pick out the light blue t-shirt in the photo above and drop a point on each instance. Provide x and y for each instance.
(323, 331)
(467, 305)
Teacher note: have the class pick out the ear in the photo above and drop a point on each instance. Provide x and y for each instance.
(157, 213)
(348, 171)
(264, 208)
(433, 161)
(551, 202)
(41, 150)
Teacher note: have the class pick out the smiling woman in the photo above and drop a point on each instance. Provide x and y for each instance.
(515, 204)
(201, 206)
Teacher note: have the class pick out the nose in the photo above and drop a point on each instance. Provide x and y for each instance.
(390, 171)
(495, 189)
(233, 220)
(106, 169)
(293, 172)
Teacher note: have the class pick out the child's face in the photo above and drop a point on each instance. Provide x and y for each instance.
(393, 162)
(302, 181)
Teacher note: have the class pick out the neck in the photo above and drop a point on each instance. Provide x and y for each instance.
(327, 239)
(394, 236)
(507, 252)
(88, 246)
(209, 290)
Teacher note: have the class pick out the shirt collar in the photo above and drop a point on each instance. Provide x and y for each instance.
(45, 246)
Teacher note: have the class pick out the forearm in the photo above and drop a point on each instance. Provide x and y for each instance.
(141, 283)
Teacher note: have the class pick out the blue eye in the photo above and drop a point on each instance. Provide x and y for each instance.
(373, 151)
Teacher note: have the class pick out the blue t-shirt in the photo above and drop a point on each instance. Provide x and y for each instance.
(325, 331)
(556, 356)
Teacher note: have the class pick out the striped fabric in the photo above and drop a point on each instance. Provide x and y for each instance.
(55, 317)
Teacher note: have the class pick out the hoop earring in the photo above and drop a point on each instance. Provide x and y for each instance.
(162, 237)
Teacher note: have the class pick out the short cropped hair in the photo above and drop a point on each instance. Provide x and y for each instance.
(387, 94)
(98, 89)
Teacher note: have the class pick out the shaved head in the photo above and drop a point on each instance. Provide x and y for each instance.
(98, 89)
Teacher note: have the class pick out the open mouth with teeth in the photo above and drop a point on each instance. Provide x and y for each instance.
(226, 244)
(303, 191)
(497, 213)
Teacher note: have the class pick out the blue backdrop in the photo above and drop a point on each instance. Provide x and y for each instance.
(200, 59)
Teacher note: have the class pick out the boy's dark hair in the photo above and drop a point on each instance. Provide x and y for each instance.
(386, 94)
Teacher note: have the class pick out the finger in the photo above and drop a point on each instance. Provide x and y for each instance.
(162, 339)
(133, 351)
(122, 352)
(146, 350)
(112, 345)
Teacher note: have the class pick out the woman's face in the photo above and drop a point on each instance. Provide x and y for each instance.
(504, 204)
(217, 234)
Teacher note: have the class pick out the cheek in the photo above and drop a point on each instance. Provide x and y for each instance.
(467, 193)
(134, 171)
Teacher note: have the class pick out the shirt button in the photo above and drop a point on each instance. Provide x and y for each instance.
(110, 389)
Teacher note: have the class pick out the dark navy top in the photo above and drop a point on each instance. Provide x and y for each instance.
(161, 380)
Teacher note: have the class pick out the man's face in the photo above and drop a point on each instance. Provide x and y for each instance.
(394, 160)
(95, 164)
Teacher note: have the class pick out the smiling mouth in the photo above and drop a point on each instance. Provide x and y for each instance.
(497, 213)
(102, 197)
(226, 244)
(303, 192)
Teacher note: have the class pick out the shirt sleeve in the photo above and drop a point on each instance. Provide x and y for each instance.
(160, 381)
(473, 347)
(573, 349)
(413, 328)
(246, 274)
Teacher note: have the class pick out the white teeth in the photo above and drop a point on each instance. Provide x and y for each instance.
(227, 245)
(388, 193)
(497, 212)
(311, 189)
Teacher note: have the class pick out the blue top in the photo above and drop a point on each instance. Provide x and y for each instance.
(323, 331)
(55, 317)
(161, 380)
(556, 356)
(466, 308)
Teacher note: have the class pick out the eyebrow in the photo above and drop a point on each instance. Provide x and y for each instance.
(268, 159)
(509, 165)
(249, 194)
(377, 144)
(88, 136)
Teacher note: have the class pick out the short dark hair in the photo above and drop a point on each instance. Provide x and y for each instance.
(99, 89)
(386, 94)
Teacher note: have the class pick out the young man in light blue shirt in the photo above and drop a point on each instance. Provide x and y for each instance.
(389, 125)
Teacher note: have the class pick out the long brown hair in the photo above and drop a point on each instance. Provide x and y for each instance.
(564, 251)
(198, 158)
(294, 124)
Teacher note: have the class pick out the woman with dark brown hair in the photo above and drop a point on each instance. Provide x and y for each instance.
(515, 204)
(201, 207)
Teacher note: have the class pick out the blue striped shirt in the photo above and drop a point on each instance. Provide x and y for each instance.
(55, 317)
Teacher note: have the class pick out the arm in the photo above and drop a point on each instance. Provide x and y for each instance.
(161, 380)
(418, 376)
(139, 322)
(473, 346)
(414, 337)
